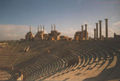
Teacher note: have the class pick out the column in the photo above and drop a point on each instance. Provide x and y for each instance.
(100, 29)
(106, 28)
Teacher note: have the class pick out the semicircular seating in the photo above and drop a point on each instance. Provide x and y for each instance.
(74, 61)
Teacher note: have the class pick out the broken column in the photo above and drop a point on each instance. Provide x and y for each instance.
(106, 28)
(54, 27)
(94, 33)
(38, 28)
(43, 28)
(100, 29)
(30, 28)
(97, 30)
(51, 27)
(82, 31)
(85, 31)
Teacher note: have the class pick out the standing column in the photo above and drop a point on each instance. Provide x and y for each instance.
(82, 31)
(51, 27)
(95, 35)
(30, 28)
(85, 31)
(54, 27)
(106, 27)
(43, 28)
(97, 30)
(38, 28)
(100, 29)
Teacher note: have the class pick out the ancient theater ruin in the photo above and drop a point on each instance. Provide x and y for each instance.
(56, 57)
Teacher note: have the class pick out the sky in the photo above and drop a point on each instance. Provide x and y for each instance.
(17, 15)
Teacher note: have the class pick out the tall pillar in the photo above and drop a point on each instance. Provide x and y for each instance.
(106, 28)
(51, 27)
(30, 28)
(100, 26)
(54, 27)
(85, 31)
(95, 33)
(43, 28)
(38, 28)
(97, 30)
(82, 31)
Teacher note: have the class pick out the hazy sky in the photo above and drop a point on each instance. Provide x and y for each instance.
(68, 15)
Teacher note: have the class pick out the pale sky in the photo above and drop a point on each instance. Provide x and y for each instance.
(68, 15)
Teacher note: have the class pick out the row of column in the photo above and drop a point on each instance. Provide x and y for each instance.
(42, 28)
(96, 36)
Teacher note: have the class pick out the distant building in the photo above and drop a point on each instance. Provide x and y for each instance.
(81, 35)
(54, 35)
(78, 35)
(29, 35)
(65, 38)
(116, 37)
(40, 34)
(46, 36)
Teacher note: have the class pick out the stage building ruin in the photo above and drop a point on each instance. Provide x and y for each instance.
(116, 37)
(54, 35)
(81, 35)
(65, 38)
(29, 36)
(40, 34)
